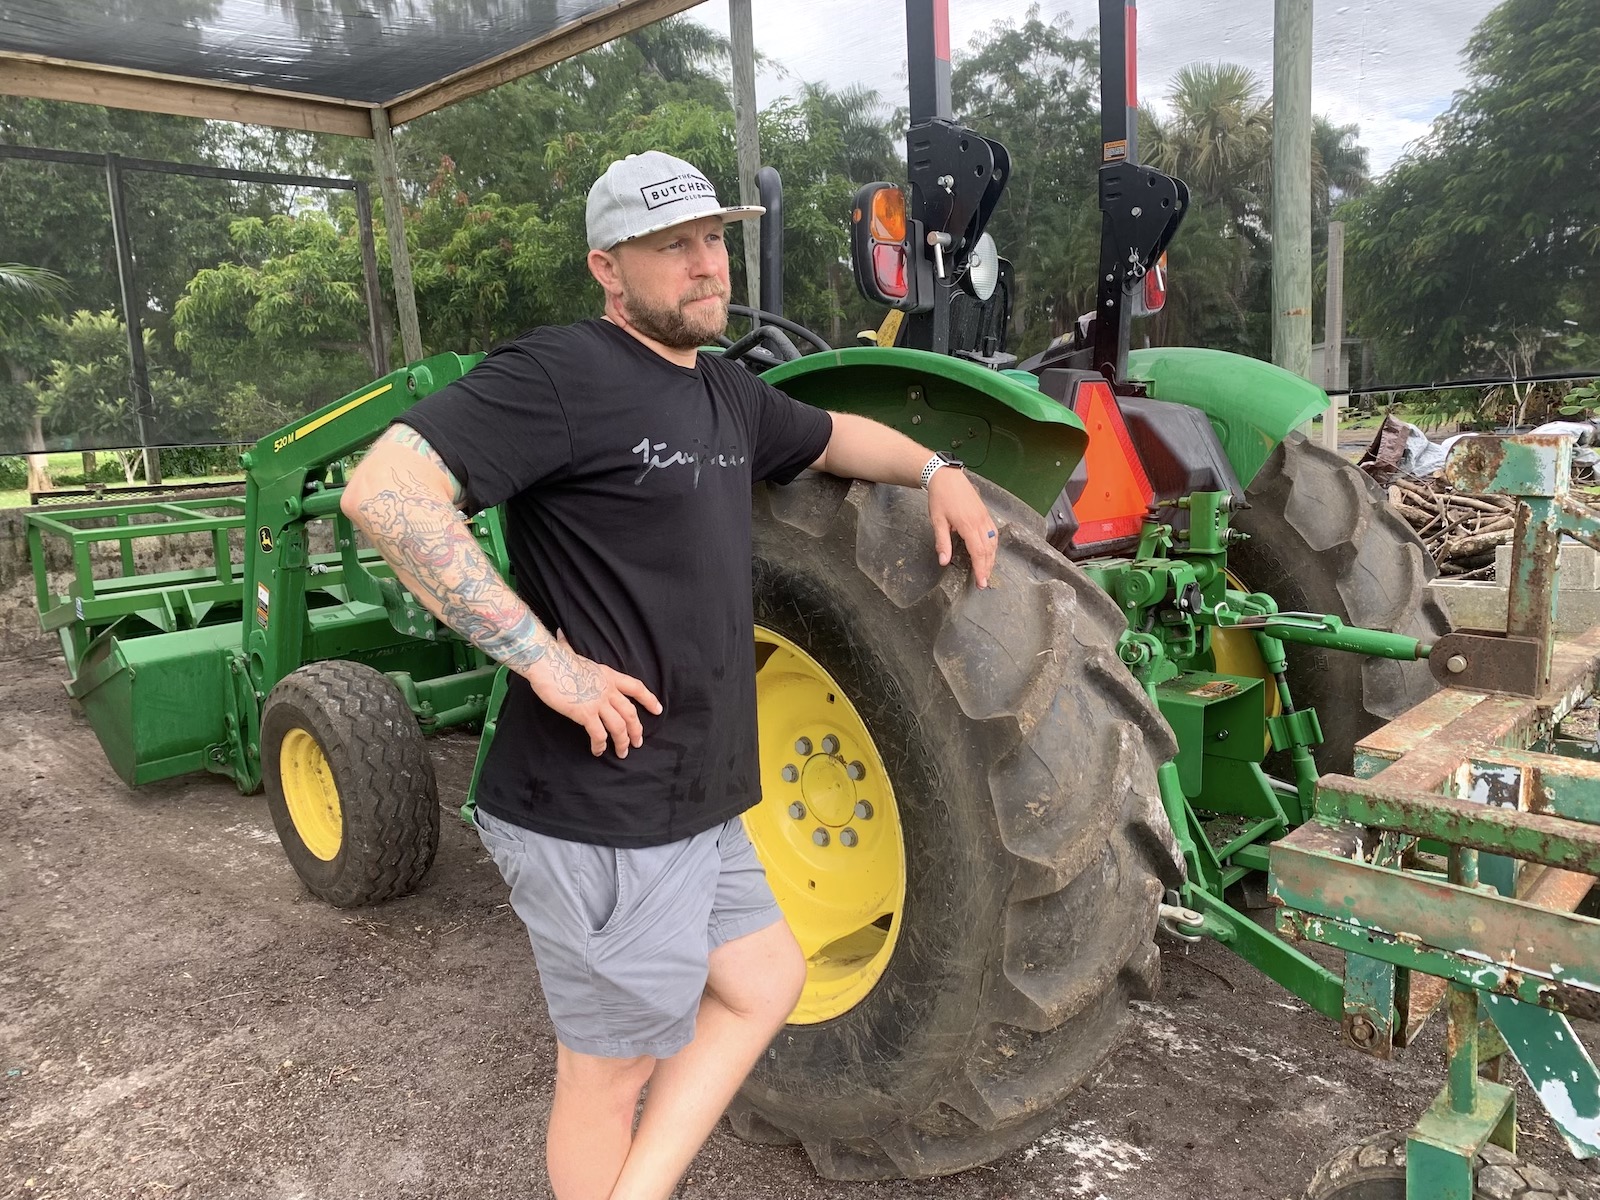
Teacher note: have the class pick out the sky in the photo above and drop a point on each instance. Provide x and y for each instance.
(1388, 67)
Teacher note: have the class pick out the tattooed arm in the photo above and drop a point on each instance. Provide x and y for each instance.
(404, 498)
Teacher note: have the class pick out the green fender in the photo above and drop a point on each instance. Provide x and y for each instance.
(996, 422)
(1252, 405)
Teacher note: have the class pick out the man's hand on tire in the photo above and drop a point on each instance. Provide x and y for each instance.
(600, 699)
(954, 506)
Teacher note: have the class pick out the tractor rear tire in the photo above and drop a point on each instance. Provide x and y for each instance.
(1023, 759)
(1323, 539)
(1375, 1169)
(349, 783)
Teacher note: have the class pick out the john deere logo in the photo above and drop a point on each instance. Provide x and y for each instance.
(264, 537)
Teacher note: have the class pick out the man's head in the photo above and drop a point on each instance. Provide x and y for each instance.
(656, 248)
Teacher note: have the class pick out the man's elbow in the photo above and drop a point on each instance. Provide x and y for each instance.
(355, 493)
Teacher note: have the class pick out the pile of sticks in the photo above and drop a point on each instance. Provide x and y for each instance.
(1461, 532)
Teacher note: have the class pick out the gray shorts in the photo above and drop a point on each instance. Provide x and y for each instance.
(622, 937)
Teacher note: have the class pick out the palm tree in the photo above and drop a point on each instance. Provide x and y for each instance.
(1339, 167)
(26, 290)
(1218, 140)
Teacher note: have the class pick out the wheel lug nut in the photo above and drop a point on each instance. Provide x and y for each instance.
(830, 745)
(864, 810)
(847, 837)
(856, 771)
(797, 811)
(820, 837)
(790, 773)
(802, 746)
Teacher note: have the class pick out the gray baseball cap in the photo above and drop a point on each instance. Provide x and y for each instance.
(647, 192)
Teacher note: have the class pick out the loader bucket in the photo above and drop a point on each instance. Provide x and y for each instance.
(159, 703)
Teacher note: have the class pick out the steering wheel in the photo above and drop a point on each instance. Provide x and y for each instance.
(768, 344)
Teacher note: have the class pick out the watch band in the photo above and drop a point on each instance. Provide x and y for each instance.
(939, 459)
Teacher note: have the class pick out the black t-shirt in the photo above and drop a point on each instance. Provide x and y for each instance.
(626, 483)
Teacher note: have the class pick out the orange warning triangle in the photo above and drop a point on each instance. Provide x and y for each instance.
(1118, 494)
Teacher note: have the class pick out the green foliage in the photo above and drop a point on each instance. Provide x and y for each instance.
(84, 394)
(1482, 244)
(1582, 401)
(13, 474)
(1034, 86)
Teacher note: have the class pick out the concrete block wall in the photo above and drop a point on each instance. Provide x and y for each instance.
(1483, 605)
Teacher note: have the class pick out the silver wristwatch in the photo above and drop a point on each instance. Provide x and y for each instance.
(939, 459)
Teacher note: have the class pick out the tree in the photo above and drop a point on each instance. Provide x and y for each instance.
(26, 294)
(84, 396)
(1490, 229)
(1219, 142)
(1033, 86)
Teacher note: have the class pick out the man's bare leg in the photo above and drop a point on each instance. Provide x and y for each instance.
(591, 1122)
(751, 989)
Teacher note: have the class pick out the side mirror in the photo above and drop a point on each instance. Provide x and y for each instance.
(886, 266)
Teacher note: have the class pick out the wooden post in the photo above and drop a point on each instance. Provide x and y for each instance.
(132, 306)
(741, 34)
(394, 220)
(377, 318)
(1334, 374)
(1291, 186)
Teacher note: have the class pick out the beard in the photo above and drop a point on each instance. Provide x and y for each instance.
(677, 327)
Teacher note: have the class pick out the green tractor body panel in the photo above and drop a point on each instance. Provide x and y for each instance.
(1252, 405)
(158, 703)
(997, 424)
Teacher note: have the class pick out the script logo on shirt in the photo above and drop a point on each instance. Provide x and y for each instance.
(651, 458)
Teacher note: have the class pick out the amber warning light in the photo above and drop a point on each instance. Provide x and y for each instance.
(880, 249)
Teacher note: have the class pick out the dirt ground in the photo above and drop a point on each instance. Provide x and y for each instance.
(178, 1018)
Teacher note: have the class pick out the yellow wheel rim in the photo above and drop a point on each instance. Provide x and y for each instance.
(827, 829)
(310, 794)
(1234, 651)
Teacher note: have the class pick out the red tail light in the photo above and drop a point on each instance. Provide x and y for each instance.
(1153, 295)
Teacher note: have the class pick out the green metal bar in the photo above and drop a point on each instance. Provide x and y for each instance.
(1271, 955)
(1254, 858)
(1533, 837)
(1250, 836)
(83, 570)
(1486, 929)
(1557, 1066)
(222, 556)
(324, 503)
(171, 529)
(42, 595)
(127, 547)
(1441, 1149)
(1333, 634)
(1461, 1037)
(1355, 938)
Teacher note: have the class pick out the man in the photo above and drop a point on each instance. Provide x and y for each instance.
(625, 459)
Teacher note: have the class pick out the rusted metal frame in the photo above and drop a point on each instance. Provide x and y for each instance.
(1472, 937)
(1529, 836)
(1442, 1147)
(1535, 782)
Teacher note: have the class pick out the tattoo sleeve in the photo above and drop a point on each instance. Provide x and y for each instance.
(426, 540)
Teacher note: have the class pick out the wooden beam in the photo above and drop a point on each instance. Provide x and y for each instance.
(394, 220)
(85, 84)
(562, 43)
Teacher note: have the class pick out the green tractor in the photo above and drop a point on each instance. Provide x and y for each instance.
(978, 807)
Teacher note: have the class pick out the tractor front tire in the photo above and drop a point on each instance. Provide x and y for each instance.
(349, 783)
(1023, 758)
(1323, 539)
(1375, 1169)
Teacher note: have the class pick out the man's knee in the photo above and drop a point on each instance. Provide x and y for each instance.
(760, 976)
(613, 1082)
